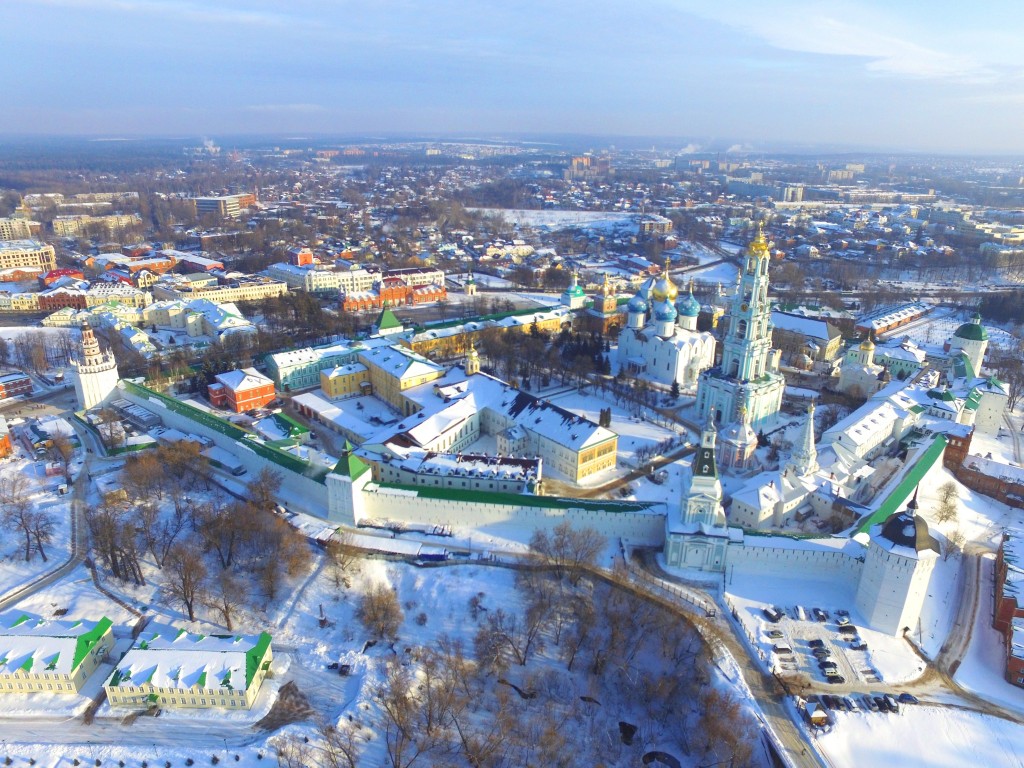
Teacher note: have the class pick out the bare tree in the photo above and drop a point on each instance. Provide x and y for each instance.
(955, 541)
(380, 612)
(340, 744)
(62, 450)
(186, 578)
(16, 508)
(224, 597)
(570, 550)
(343, 557)
(949, 498)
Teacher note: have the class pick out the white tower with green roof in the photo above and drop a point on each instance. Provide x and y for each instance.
(345, 488)
(972, 339)
(573, 297)
(696, 535)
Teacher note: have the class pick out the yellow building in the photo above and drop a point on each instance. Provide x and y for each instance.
(53, 656)
(453, 341)
(172, 668)
(346, 381)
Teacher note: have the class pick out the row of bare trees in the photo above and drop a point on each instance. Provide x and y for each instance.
(20, 516)
(210, 548)
(608, 654)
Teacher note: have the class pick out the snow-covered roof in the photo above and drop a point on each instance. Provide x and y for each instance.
(35, 645)
(175, 658)
(243, 378)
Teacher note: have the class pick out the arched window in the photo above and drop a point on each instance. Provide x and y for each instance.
(741, 329)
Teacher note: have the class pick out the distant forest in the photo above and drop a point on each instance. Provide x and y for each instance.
(1004, 306)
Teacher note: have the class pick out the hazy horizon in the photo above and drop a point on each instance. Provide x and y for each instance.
(931, 78)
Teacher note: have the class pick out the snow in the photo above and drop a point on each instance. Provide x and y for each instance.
(982, 668)
(937, 737)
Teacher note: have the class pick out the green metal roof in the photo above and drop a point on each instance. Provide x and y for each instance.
(521, 499)
(254, 657)
(899, 495)
(87, 641)
(386, 320)
(972, 332)
(350, 465)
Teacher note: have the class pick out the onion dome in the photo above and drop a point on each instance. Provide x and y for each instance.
(637, 304)
(689, 306)
(664, 311)
(972, 331)
(867, 345)
(664, 289)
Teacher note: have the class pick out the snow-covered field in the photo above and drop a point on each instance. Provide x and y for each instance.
(551, 221)
(923, 737)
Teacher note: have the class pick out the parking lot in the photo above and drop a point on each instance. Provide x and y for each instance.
(816, 644)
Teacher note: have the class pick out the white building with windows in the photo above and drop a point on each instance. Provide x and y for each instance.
(42, 655)
(175, 668)
(96, 374)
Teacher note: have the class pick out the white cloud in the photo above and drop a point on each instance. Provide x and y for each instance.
(849, 29)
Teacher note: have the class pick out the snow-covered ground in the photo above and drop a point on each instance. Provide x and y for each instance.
(551, 221)
(982, 668)
(923, 736)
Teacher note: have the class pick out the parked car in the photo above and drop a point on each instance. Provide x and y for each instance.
(907, 698)
(827, 664)
(774, 634)
(772, 613)
(891, 703)
(821, 653)
(817, 643)
(849, 704)
(819, 615)
(880, 704)
(836, 679)
(869, 703)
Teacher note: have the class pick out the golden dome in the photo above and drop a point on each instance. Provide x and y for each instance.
(759, 245)
(664, 289)
(867, 345)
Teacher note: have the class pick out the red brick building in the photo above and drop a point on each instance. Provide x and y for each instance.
(1008, 616)
(54, 275)
(12, 384)
(241, 390)
(392, 292)
(58, 298)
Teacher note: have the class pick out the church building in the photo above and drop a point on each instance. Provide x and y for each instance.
(661, 342)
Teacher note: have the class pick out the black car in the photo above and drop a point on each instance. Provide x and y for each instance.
(816, 643)
(836, 679)
(907, 698)
(827, 664)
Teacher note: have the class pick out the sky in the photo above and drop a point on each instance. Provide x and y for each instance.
(929, 76)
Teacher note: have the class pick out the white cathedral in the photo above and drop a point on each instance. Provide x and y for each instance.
(661, 342)
(747, 386)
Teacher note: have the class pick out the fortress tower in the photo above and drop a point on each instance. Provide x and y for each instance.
(95, 372)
